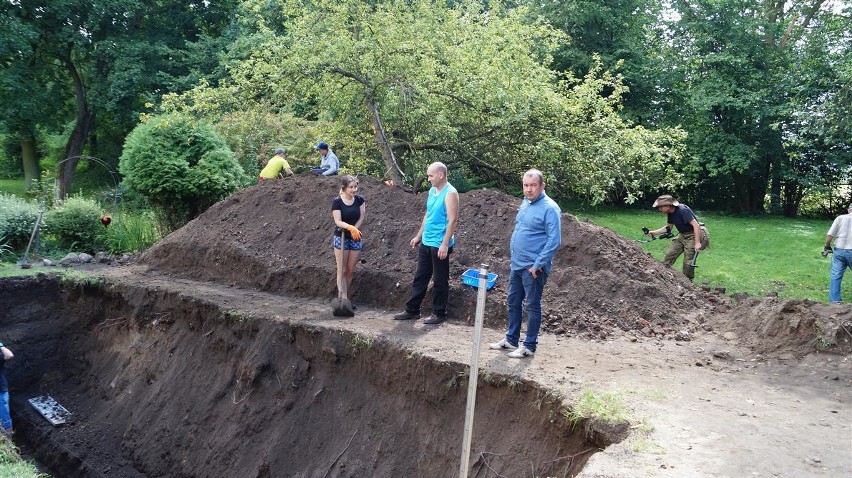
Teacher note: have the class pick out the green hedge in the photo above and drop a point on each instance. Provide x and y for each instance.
(75, 221)
(17, 218)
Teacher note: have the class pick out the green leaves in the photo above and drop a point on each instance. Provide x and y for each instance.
(411, 82)
(180, 165)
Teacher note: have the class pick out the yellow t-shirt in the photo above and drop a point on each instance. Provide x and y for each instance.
(274, 166)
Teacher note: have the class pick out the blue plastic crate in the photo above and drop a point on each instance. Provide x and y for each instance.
(471, 278)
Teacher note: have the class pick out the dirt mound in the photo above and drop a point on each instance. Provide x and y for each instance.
(276, 236)
(773, 326)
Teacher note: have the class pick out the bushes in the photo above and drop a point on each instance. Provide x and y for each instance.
(75, 224)
(17, 218)
(179, 165)
(75, 221)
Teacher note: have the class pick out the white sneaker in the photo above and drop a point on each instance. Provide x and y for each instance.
(502, 345)
(521, 352)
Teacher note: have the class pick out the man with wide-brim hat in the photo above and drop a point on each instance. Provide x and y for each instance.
(688, 241)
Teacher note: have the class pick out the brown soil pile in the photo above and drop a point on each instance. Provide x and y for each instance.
(276, 236)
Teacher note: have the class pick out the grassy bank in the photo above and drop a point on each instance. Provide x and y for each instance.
(13, 466)
(754, 255)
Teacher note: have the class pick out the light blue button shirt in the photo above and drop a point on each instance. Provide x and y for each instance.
(537, 234)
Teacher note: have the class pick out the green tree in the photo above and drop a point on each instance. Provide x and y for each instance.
(180, 165)
(742, 91)
(405, 83)
(614, 34)
(101, 61)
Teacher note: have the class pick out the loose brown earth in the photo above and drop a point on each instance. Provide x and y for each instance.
(217, 355)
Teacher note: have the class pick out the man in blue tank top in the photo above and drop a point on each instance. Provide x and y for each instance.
(436, 240)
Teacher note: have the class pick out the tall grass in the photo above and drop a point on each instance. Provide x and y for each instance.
(132, 232)
(756, 255)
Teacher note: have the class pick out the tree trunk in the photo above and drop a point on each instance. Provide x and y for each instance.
(384, 145)
(32, 172)
(749, 192)
(77, 140)
(775, 194)
(794, 192)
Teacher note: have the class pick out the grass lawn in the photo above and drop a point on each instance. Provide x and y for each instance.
(756, 255)
(12, 186)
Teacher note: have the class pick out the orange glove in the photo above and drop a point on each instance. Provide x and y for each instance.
(356, 234)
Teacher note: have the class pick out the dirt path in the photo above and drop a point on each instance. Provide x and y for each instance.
(705, 408)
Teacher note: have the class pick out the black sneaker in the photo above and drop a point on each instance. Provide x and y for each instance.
(407, 316)
(434, 319)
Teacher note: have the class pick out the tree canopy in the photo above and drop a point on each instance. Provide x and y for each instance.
(731, 104)
(401, 84)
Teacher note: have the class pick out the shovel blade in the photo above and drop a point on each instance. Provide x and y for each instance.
(341, 307)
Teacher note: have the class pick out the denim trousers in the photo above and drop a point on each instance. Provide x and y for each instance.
(840, 260)
(5, 418)
(522, 286)
(438, 270)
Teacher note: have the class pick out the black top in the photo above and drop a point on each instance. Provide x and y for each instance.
(681, 218)
(348, 214)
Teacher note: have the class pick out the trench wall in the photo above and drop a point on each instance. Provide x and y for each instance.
(163, 384)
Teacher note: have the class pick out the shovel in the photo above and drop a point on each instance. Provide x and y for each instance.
(25, 261)
(694, 260)
(341, 307)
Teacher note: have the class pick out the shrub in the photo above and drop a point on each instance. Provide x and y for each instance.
(179, 165)
(75, 220)
(17, 218)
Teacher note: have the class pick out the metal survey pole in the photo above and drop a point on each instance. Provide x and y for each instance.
(473, 376)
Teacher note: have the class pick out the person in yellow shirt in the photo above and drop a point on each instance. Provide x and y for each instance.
(276, 166)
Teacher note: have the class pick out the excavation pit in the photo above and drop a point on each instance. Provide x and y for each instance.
(161, 383)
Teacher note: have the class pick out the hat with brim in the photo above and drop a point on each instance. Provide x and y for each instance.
(665, 200)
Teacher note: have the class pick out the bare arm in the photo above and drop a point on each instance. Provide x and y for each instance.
(416, 239)
(361, 219)
(452, 204)
(696, 228)
(666, 228)
(338, 221)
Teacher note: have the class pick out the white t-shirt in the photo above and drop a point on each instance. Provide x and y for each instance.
(841, 231)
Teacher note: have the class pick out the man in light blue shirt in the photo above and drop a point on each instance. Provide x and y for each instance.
(330, 164)
(537, 236)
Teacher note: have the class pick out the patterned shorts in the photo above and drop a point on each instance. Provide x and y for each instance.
(350, 244)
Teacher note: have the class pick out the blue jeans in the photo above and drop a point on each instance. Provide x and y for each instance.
(5, 419)
(523, 286)
(840, 260)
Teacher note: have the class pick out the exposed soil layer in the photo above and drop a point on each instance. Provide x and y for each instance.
(163, 385)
